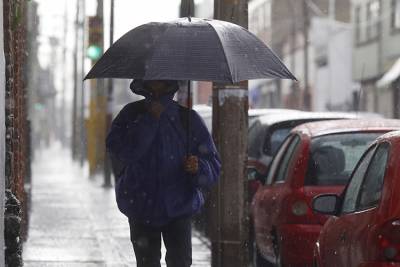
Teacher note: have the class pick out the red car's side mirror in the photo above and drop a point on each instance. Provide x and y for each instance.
(255, 179)
(326, 204)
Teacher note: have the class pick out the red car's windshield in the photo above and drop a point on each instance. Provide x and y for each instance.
(333, 157)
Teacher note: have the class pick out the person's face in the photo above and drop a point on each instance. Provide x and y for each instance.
(157, 88)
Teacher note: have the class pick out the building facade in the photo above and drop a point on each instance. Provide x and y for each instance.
(292, 29)
(376, 49)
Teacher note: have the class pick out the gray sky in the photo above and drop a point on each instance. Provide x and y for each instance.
(128, 14)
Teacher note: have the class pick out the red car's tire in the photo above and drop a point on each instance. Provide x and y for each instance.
(258, 259)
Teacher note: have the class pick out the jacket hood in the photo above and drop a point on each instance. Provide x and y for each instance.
(138, 86)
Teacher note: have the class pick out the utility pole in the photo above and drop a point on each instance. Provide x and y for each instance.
(230, 225)
(107, 165)
(187, 8)
(98, 99)
(74, 141)
(332, 25)
(293, 35)
(64, 78)
(306, 26)
(82, 133)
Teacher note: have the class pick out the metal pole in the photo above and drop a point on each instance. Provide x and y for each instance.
(332, 12)
(307, 94)
(332, 9)
(74, 144)
(294, 88)
(64, 79)
(107, 165)
(82, 138)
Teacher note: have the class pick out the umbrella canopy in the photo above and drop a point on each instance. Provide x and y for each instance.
(190, 49)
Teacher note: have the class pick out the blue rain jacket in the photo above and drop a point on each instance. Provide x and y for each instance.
(154, 188)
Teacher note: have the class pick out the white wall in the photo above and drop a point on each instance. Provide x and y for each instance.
(298, 69)
(2, 136)
(333, 82)
(204, 8)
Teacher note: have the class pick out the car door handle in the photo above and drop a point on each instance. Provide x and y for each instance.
(343, 237)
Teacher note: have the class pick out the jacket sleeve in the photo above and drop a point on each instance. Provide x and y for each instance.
(129, 139)
(204, 148)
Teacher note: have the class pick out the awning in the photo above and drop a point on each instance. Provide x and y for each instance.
(392, 75)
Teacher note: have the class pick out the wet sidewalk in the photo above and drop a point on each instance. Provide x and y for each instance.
(75, 221)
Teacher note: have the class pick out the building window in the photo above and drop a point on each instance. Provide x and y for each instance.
(396, 14)
(358, 24)
(373, 16)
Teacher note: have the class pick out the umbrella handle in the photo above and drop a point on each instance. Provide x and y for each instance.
(189, 121)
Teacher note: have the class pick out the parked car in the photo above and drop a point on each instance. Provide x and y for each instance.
(316, 158)
(205, 113)
(267, 133)
(364, 230)
(254, 113)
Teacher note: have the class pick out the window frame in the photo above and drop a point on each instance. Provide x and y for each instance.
(371, 149)
(395, 6)
(296, 140)
(270, 176)
(357, 16)
(357, 206)
(356, 209)
(261, 132)
(373, 24)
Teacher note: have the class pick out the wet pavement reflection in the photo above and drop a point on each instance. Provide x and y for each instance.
(75, 221)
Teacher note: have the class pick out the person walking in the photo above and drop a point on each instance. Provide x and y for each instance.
(162, 174)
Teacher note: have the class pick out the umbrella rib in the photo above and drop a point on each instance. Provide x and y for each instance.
(223, 50)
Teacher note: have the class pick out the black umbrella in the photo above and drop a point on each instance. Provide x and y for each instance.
(190, 49)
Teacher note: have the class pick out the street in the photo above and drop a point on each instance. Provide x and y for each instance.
(275, 125)
(75, 221)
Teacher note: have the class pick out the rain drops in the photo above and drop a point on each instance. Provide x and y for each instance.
(203, 149)
(202, 179)
(142, 242)
(147, 45)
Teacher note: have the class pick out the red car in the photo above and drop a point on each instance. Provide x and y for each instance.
(316, 158)
(364, 230)
(268, 131)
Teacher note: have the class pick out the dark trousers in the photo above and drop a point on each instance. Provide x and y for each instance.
(177, 236)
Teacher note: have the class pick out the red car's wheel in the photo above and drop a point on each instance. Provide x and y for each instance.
(259, 260)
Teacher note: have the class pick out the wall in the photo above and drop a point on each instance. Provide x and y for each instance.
(333, 79)
(374, 58)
